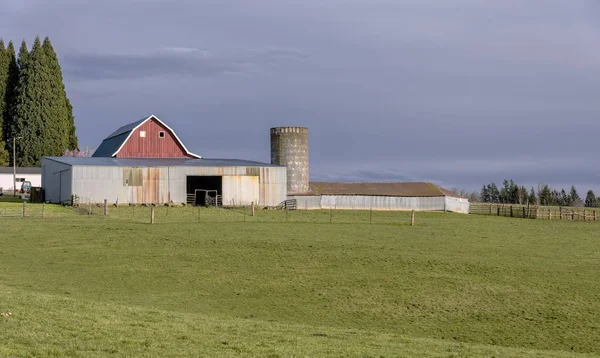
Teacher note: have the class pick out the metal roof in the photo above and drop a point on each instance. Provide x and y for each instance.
(406, 189)
(112, 144)
(21, 170)
(157, 162)
(127, 128)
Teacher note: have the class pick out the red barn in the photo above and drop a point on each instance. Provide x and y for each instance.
(146, 138)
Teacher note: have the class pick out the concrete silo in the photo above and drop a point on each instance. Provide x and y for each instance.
(289, 148)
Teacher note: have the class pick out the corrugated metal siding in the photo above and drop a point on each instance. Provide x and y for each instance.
(56, 181)
(358, 202)
(240, 190)
(165, 184)
(152, 146)
(457, 205)
(272, 186)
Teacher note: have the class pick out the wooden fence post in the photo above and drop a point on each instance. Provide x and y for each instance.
(584, 215)
(412, 218)
(252, 208)
(549, 213)
(498, 209)
(490, 209)
(561, 213)
(511, 211)
(152, 215)
(105, 207)
(24, 209)
(594, 214)
(524, 212)
(572, 214)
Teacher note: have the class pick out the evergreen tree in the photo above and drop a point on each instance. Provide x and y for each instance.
(485, 195)
(9, 71)
(494, 193)
(62, 116)
(564, 200)
(545, 196)
(574, 196)
(590, 199)
(42, 114)
(532, 198)
(4, 70)
(514, 192)
(28, 123)
(23, 55)
(73, 142)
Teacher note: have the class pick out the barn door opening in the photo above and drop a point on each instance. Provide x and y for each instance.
(201, 189)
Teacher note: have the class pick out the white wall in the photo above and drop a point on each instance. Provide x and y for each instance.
(6, 180)
(365, 202)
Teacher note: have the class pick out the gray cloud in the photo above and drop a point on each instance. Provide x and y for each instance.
(459, 92)
(173, 61)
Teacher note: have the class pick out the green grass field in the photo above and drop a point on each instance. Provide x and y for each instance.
(452, 286)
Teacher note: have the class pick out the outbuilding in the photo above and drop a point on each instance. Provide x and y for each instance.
(24, 174)
(144, 162)
(421, 196)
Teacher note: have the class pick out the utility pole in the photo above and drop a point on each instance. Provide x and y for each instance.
(15, 165)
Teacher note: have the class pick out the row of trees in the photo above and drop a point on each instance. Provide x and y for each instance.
(511, 193)
(34, 106)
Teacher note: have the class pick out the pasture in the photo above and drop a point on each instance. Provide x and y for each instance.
(222, 283)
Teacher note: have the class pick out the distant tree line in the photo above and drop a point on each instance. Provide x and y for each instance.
(512, 193)
(34, 106)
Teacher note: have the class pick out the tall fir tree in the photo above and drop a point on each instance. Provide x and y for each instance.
(73, 142)
(28, 112)
(574, 196)
(590, 199)
(10, 77)
(63, 114)
(42, 114)
(4, 70)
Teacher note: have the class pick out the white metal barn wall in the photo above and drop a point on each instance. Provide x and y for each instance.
(164, 184)
(363, 202)
(56, 181)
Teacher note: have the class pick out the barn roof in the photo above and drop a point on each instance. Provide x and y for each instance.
(112, 144)
(157, 162)
(407, 189)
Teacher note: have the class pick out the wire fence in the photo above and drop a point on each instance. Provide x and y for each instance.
(164, 214)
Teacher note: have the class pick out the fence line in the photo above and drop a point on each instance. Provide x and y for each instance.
(535, 212)
(163, 214)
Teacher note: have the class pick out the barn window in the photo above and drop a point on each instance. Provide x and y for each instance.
(161, 134)
(142, 134)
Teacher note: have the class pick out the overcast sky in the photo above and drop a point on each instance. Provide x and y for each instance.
(458, 92)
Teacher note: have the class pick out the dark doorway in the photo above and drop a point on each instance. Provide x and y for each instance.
(202, 189)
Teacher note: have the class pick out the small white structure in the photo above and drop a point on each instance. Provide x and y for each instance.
(33, 175)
